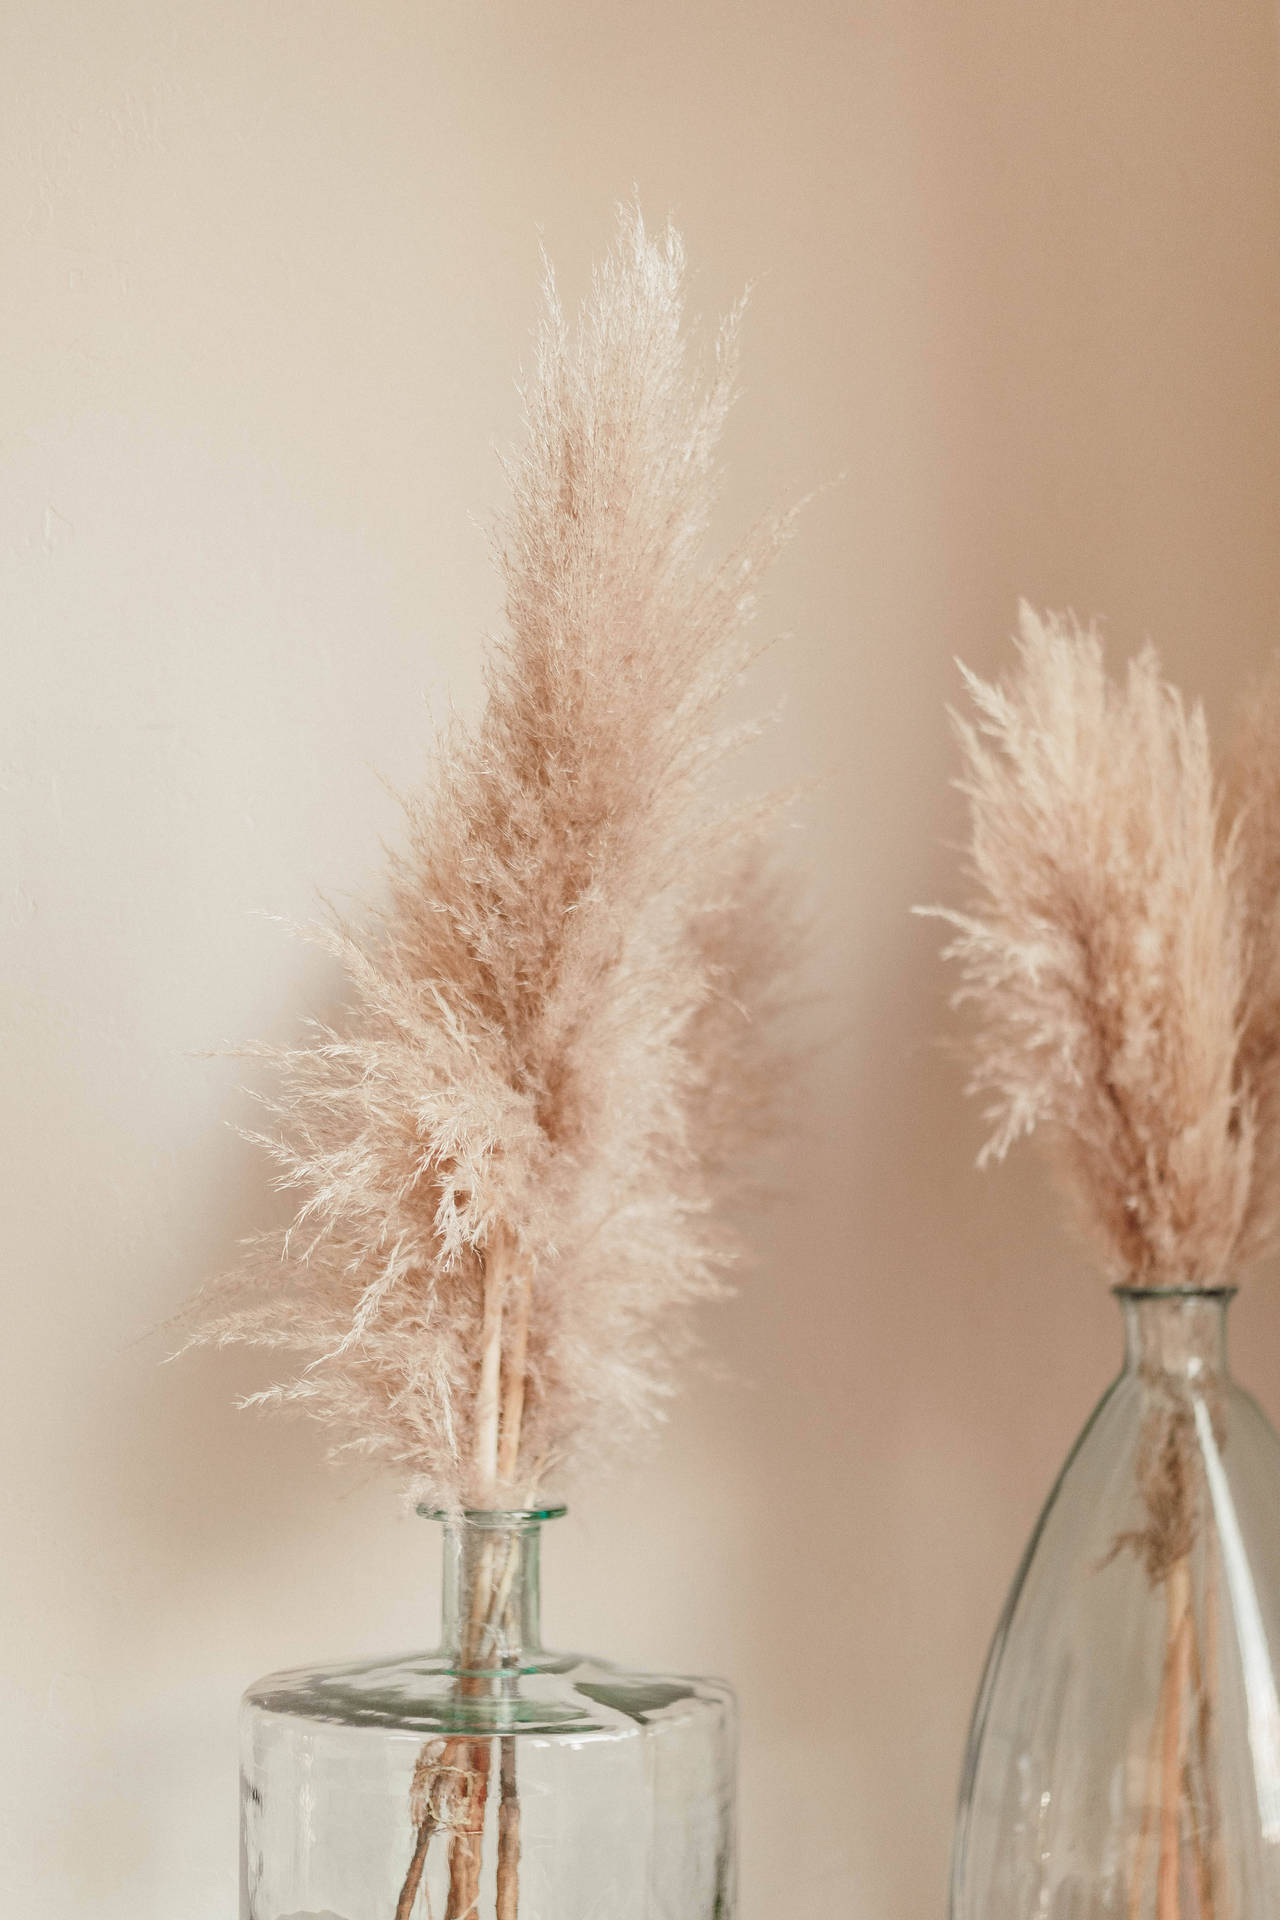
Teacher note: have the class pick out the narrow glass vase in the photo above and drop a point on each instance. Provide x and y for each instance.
(490, 1780)
(1124, 1759)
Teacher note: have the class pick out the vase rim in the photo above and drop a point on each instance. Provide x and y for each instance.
(1218, 1290)
(494, 1519)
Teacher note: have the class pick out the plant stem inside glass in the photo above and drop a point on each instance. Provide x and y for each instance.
(1124, 1758)
(490, 1627)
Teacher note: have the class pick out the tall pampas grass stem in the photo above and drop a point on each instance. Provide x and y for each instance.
(1120, 964)
(513, 1150)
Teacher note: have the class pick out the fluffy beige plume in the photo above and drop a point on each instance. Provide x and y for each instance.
(560, 1037)
(1107, 956)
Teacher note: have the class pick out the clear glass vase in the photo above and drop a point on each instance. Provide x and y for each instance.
(490, 1780)
(1124, 1758)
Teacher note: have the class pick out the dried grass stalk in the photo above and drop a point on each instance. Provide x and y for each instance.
(510, 1150)
(1111, 958)
(1122, 961)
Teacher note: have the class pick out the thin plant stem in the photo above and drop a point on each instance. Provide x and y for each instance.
(467, 1842)
(499, 1418)
(488, 1393)
(412, 1880)
(1199, 1854)
(1206, 1836)
(512, 1415)
(1196, 1780)
(508, 1834)
(1150, 1797)
(1178, 1598)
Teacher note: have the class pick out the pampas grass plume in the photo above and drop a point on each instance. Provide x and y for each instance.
(1119, 960)
(509, 1152)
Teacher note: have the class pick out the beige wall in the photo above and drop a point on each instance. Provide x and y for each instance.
(267, 271)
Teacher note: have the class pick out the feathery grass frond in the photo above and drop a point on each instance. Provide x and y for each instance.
(1108, 954)
(561, 1032)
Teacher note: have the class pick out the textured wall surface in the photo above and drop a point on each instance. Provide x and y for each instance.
(267, 271)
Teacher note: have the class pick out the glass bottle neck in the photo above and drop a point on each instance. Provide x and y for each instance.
(1179, 1332)
(490, 1601)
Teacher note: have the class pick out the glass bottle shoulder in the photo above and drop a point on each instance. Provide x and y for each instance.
(555, 1695)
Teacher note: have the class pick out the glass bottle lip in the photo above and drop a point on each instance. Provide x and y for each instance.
(1218, 1290)
(494, 1519)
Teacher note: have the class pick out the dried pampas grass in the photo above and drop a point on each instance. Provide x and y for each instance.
(1121, 959)
(510, 1151)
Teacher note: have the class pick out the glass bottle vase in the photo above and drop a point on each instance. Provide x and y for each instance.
(490, 1780)
(1124, 1758)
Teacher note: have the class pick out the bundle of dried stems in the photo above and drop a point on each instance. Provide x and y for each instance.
(1122, 964)
(562, 1039)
